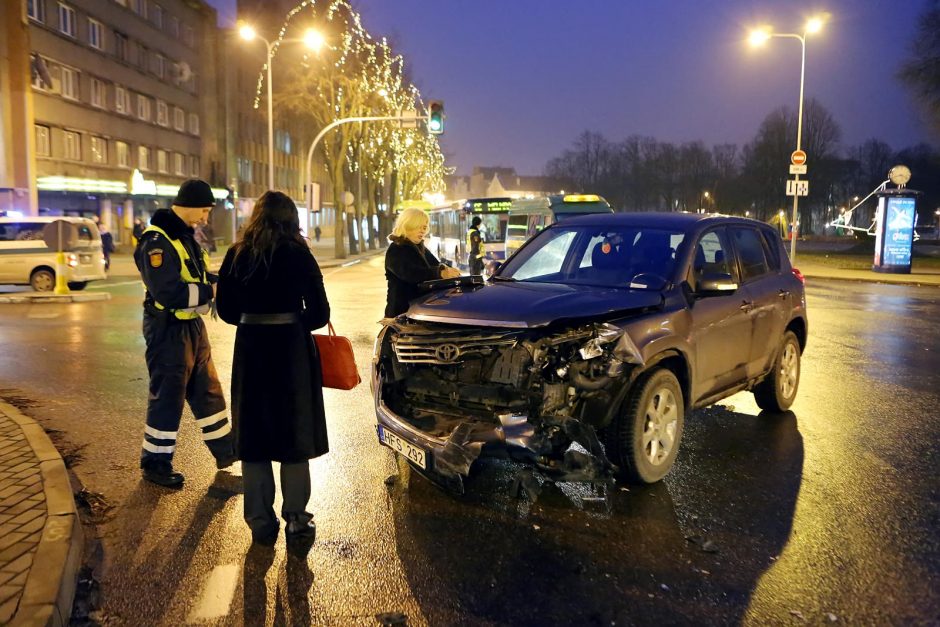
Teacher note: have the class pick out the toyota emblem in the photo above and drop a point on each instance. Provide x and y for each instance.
(447, 353)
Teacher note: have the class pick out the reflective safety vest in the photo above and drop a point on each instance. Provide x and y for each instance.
(480, 251)
(189, 313)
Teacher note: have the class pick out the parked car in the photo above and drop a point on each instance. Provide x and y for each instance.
(603, 331)
(26, 260)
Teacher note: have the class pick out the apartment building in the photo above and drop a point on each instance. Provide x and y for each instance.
(124, 93)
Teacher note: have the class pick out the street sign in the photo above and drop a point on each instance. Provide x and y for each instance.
(797, 169)
(798, 157)
(797, 188)
(60, 235)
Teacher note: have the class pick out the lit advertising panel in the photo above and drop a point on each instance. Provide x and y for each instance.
(898, 231)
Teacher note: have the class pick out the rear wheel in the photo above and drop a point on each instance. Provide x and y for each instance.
(78, 285)
(643, 439)
(42, 280)
(778, 391)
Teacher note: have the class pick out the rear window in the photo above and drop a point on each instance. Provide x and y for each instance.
(772, 240)
(750, 247)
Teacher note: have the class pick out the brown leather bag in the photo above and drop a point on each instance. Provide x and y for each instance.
(337, 360)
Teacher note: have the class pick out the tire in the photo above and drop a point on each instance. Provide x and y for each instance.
(42, 280)
(643, 439)
(778, 390)
(78, 286)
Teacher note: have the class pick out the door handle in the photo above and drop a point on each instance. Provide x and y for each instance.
(784, 294)
(747, 306)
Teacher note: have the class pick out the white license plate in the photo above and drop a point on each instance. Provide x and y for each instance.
(409, 451)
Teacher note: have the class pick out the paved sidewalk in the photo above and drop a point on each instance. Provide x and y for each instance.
(40, 533)
(917, 276)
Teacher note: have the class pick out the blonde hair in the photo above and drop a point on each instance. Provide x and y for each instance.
(409, 220)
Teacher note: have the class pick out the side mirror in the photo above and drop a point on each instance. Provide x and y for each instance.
(715, 284)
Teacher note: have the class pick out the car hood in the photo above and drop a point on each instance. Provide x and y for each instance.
(526, 305)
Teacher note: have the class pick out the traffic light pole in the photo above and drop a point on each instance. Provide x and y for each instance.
(308, 171)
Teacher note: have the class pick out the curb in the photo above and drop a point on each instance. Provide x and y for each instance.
(50, 586)
(42, 297)
(874, 279)
(336, 263)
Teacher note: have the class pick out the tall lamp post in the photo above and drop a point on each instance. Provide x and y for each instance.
(314, 41)
(758, 38)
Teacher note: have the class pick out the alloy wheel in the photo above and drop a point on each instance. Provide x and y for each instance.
(661, 424)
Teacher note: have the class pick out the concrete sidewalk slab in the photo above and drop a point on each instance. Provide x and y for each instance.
(49, 297)
(919, 277)
(40, 532)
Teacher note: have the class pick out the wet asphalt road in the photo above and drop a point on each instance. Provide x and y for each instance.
(830, 512)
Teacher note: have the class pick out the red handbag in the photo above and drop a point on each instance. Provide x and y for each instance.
(337, 360)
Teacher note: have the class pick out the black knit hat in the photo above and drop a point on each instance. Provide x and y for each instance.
(194, 193)
(476, 221)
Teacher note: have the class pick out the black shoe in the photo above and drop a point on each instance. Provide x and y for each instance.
(226, 461)
(300, 529)
(264, 538)
(162, 473)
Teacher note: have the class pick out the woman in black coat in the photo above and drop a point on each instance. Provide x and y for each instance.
(271, 287)
(408, 262)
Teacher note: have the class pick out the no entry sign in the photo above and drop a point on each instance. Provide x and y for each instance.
(798, 157)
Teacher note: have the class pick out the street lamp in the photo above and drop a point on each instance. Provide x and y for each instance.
(314, 41)
(759, 37)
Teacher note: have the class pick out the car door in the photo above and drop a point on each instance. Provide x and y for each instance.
(760, 282)
(721, 328)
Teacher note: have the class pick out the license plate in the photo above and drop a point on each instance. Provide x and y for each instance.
(409, 451)
(84, 258)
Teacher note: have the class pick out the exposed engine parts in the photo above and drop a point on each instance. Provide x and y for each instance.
(533, 392)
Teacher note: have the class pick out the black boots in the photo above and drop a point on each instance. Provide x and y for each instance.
(162, 473)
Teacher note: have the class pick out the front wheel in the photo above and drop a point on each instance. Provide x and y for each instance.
(778, 391)
(42, 280)
(643, 439)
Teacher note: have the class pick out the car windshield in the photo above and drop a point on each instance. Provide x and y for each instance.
(602, 256)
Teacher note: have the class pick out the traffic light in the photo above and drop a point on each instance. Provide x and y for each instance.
(435, 117)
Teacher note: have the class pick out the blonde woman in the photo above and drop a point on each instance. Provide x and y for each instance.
(408, 262)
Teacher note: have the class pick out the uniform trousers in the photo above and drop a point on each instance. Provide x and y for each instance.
(258, 478)
(179, 360)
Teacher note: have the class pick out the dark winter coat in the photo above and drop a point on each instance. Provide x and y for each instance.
(406, 265)
(277, 384)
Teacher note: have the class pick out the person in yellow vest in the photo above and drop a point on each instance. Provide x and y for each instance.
(174, 269)
(475, 250)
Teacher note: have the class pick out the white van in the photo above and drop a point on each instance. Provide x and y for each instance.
(26, 260)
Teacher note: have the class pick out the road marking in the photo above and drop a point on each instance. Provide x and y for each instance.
(217, 594)
(43, 315)
(107, 285)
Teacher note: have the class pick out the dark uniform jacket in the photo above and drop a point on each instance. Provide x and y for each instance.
(406, 265)
(277, 384)
(160, 269)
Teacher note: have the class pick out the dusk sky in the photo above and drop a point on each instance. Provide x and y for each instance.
(521, 79)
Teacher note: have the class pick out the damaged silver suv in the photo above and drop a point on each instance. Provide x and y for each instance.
(584, 353)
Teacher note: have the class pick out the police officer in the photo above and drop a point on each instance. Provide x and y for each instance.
(475, 246)
(179, 287)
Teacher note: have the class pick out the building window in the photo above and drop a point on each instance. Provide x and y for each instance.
(188, 35)
(99, 93)
(195, 170)
(122, 154)
(163, 113)
(159, 65)
(194, 123)
(36, 10)
(95, 34)
(178, 168)
(139, 7)
(66, 20)
(245, 170)
(141, 59)
(174, 27)
(99, 150)
(123, 3)
(68, 82)
(73, 146)
(156, 14)
(43, 145)
(179, 119)
(161, 161)
(120, 46)
(143, 107)
(143, 158)
(122, 100)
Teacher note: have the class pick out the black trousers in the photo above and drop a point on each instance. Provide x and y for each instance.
(476, 264)
(258, 478)
(179, 361)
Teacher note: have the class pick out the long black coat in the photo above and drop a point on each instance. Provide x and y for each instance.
(406, 265)
(277, 384)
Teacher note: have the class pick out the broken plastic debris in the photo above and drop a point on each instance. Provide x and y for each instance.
(832, 617)
(798, 614)
(392, 618)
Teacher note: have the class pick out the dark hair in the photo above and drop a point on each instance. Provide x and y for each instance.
(273, 222)
(476, 221)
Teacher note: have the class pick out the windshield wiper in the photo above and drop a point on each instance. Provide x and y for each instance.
(501, 278)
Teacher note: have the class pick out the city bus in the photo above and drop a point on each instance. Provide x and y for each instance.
(528, 216)
(450, 222)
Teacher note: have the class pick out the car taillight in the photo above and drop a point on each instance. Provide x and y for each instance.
(72, 260)
(798, 275)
